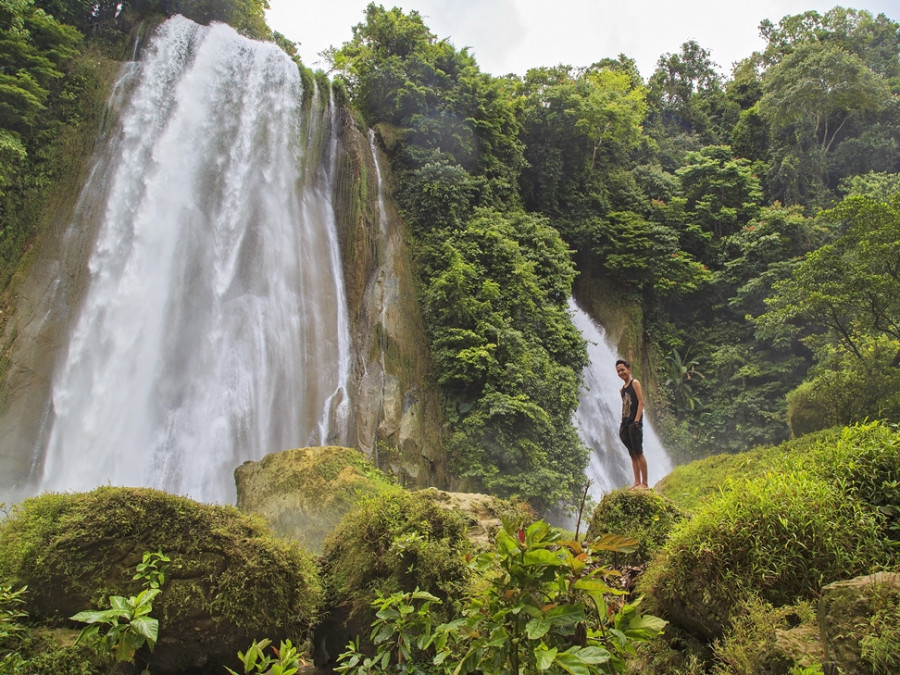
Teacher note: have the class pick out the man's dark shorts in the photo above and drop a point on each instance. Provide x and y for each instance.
(632, 436)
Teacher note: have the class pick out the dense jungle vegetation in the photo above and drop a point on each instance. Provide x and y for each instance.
(752, 220)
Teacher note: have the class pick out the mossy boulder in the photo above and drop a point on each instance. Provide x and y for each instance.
(230, 581)
(303, 493)
(779, 535)
(640, 514)
(400, 541)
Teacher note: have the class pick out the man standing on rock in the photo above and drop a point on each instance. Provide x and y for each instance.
(631, 430)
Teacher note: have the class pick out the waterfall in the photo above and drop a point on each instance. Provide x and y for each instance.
(599, 413)
(213, 329)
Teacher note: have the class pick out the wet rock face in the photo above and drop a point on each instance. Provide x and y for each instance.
(229, 581)
(396, 414)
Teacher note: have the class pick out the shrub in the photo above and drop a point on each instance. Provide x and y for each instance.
(544, 605)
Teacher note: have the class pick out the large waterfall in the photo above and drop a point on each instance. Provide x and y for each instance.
(214, 327)
(598, 415)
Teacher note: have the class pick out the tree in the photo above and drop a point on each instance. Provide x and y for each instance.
(721, 190)
(822, 86)
(611, 111)
(873, 39)
(848, 290)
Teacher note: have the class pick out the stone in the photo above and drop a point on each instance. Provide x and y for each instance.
(303, 493)
(843, 613)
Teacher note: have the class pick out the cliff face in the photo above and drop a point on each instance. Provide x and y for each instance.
(395, 414)
(397, 417)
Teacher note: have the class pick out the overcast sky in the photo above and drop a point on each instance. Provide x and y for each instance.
(511, 36)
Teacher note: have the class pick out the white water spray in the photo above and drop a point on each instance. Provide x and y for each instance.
(599, 413)
(214, 327)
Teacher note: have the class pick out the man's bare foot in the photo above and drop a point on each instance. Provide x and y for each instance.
(636, 486)
(644, 486)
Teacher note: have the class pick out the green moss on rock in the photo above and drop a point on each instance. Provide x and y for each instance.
(641, 514)
(229, 582)
(304, 493)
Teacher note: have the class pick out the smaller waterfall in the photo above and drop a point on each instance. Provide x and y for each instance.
(599, 413)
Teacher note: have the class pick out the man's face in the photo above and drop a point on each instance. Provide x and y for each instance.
(623, 372)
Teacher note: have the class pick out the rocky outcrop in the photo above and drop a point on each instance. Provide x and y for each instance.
(846, 611)
(850, 615)
(397, 420)
(303, 494)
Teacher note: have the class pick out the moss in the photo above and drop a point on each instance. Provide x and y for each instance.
(398, 541)
(781, 535)
(691, 484)
(640, 514)
(75, 550)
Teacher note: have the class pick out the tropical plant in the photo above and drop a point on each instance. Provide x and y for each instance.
(682, 371)
(287, 660)
(547, 607)
(130, 626)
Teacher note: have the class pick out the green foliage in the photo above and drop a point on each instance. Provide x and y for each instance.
(850, 288)
(833, 395)
(507, 356)
(721, 191)
(880, 640)
(287, 660)
(12, 630)
(547, 607)
(130, 625)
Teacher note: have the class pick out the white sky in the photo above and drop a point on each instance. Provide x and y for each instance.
(511, 36)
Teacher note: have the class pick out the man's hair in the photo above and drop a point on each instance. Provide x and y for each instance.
(624, 363)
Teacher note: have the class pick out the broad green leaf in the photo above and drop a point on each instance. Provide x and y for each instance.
(537, 628)
(545, 657)
(572, 663)
(542, 556)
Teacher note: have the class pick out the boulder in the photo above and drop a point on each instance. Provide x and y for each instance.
(845, 614)
(229, 582)
(303, 493)
(799, 646)
(401, 541)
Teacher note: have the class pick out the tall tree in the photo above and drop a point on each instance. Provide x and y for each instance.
(824, 87)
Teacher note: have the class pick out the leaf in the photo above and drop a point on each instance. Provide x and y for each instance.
(542, 556)
(572, 663)
(537, 628)
(146, 627)
(616, 543)
(545, 657)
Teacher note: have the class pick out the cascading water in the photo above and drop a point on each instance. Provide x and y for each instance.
(599, 413)
(214, 328)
